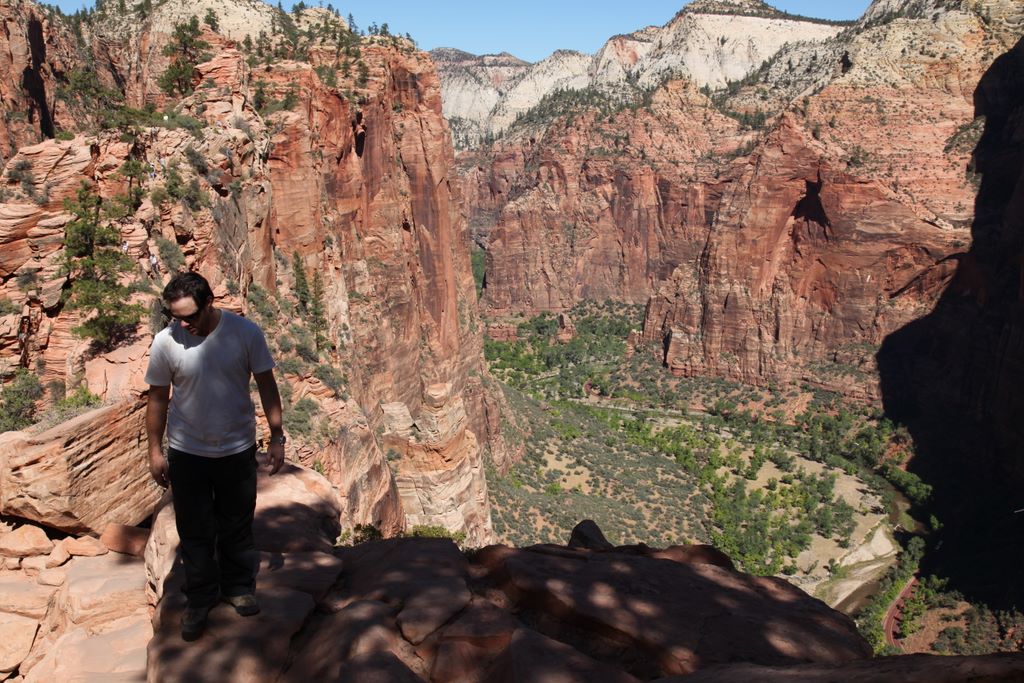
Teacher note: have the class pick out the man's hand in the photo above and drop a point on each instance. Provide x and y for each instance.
(275, 457)
(158, 468)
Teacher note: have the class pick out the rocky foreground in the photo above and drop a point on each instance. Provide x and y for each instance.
(413, 609)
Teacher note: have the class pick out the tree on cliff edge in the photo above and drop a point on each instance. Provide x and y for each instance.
(187, 50)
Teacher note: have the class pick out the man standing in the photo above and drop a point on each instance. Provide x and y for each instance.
(208, 355)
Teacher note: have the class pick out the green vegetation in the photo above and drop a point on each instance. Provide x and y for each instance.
(869, 620)
(186, 50)
(569, 103)
(614, 439)
(985, 631)
(267, 106)
(298, 418)
(478, 262)
(66, 407)
(175, 188)
(96, 268)
(301, 284)
(437, 531)
(965, 139)
(170, 254)
(295, 352)
(18, 401)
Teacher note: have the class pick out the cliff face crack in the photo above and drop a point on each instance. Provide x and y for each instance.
(32, 81)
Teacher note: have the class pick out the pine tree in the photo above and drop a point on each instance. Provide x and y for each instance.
(211, 20)
(95, 267)
(187, 50)
(318, 311)
(301, 283)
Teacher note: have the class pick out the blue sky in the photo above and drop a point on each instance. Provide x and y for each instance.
(532, 29)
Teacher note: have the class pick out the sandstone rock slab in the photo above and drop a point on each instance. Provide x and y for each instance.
(534, 657)
(310, 572)
(58, 556)
(16, 636)
(297, 510)
(233, 648)
(426, 576)
(588, 535)
(680, 617)
(994, 668)
(23, 596)
(467, 647)
(103, 588)
(86, 546)
(362, 628)
(33, 565)
(114, 652)
(81, 474)
(51, 577)
(25, 541)
(377, 667)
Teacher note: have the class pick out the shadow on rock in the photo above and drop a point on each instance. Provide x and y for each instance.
(954, 377)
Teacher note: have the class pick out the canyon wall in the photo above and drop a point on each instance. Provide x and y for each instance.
(293, 164)
(779, 229)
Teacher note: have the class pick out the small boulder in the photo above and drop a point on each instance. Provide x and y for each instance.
(10, 563)
(58, 556)
(25, 541)
(86, 546)
(33, 565)
(51, 577)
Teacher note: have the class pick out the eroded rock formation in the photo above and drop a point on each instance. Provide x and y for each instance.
(783, 254)
(351, 178)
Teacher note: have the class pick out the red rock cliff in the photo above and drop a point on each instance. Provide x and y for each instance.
(354, 179)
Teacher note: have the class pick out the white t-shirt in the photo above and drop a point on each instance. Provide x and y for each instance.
(211, 412)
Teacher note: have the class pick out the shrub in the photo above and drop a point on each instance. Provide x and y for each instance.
(331, 376)
(159, 196)
(196, 160)
(437, 531)
(305, 349)
(18, 401)
(299, 419)
(291, 365)
(361, 533)
(8, 307)
(170, 254)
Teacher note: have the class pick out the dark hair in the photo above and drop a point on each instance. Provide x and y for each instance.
(188, 284)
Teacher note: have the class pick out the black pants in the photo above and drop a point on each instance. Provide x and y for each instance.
(214, 502)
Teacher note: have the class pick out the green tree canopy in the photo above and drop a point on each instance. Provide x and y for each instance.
(96, 269)
(186, 50)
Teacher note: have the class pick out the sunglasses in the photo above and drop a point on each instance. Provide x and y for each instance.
(190, 319)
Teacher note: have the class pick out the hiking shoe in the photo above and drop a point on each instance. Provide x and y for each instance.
(246, 605)
(193, 622)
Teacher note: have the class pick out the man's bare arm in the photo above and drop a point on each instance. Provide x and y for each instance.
(270, 397)
(156, 421)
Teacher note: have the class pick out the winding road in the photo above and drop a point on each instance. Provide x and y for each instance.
(891, 620)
